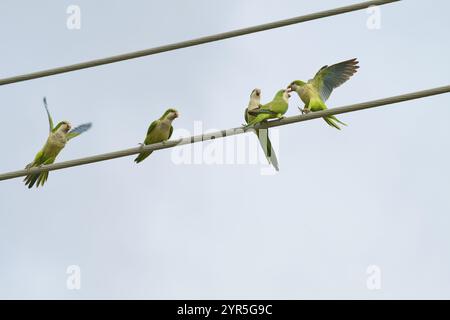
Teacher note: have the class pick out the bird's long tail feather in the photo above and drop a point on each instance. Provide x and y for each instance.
(42, 178)
(38, 178)
(331, 120)
(317, 104)
(266, 145)
(142, 156)
(336, 119)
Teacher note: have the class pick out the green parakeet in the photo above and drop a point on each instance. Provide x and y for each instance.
(56, 141)
(262, 134)
(316, 91)
(274, 109)
(160, 130)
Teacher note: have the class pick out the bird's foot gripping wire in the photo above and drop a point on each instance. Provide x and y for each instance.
(248, 127)
(304, 110)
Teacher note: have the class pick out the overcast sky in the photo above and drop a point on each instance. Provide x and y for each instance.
(374, 194)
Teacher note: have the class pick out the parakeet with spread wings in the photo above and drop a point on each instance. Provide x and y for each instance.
(316, 91)
(56, 141)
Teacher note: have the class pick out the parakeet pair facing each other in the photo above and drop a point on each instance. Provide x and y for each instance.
(275, 109)
(56, 141)
(160, 130)
(262, 134)
(316, 91)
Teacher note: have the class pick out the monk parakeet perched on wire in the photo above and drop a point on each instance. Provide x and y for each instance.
(274, 109)
(160, 130)
(262, 134)
(316, 91)
(57, 139)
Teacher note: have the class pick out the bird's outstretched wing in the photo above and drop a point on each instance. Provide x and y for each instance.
(330, 77)
(78, 130)
(50, 120)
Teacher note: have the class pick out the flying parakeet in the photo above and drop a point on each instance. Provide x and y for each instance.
(160, 130)
(274, 109)
(262, 134)
(316, 91)
(57, 139)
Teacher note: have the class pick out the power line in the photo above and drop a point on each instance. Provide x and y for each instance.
(229, 132)
(193, 42)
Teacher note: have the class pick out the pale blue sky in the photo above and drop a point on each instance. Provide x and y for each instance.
(374, 193)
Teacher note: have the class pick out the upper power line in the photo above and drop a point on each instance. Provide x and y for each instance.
(193, 42)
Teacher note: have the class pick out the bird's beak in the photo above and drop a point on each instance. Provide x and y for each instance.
(177, 114)
(289, 89)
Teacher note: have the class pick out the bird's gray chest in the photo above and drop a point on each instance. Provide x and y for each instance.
(306, 93)
(164, 125)
(164, 128)
(58, 139)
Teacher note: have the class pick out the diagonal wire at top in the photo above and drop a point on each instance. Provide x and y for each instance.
(192, 42)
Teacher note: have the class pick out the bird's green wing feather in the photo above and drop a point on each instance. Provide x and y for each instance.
(246, 115)
(38, 160)
(256, 112)
(152, 127)
(170, 133)
(78, 130)
(50, 120)
(150, 130)
(331, 77)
